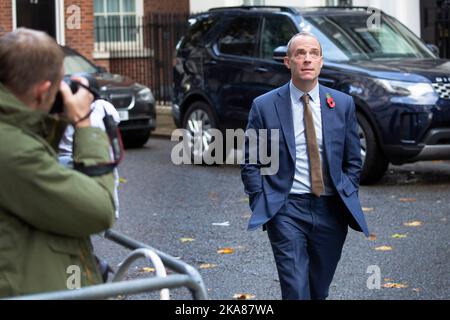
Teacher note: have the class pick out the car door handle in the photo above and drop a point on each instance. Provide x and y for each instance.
(211, 63)
(261, 69)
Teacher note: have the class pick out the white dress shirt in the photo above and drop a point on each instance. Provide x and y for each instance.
(302, 180)
(65, 154)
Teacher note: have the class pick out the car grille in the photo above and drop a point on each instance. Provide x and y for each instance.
(122, 100)
(443, 89)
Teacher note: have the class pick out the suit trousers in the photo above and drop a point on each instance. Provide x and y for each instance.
(307, 235)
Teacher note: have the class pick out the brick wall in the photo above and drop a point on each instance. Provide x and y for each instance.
(81, 39)
(103, 63)
(137, 69)
(5, 16)
(166, 6)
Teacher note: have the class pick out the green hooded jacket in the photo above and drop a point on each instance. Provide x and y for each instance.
(48, 212)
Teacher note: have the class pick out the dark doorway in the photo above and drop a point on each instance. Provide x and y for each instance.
(435, 24)
(37, 14)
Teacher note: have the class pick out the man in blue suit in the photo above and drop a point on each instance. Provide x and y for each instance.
(309, 203)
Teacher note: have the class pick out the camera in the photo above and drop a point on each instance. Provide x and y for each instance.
(58, 105)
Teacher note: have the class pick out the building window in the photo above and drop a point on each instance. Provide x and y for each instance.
(339, 3)
(115, 21)
(254, 2)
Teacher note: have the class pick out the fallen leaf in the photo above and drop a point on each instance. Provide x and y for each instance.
(147, 269)
(407, 199)
(416, 289)
(221, 224)
(225, 251)
(373, 237)
(383, 248)
(207, 266)
(367, 209)
(247, 216)
(213, 195)
(122, 180)
(393, 285)
(387, 280)
(243, 296)
(413, 224)
(184, 240)
(398, 236)
(244, 200)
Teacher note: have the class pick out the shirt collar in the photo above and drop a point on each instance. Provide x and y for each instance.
(297, 93)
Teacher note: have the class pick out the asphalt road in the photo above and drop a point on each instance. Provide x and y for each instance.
(161, 203)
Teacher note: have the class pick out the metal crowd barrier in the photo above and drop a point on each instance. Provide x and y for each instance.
(187, 276)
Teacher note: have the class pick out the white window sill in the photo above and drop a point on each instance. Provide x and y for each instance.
(117, 53)
(100, 55)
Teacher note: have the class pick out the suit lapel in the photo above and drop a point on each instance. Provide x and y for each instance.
(327, 121)
(284, 111)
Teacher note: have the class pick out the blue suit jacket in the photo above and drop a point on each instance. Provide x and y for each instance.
(268, 193)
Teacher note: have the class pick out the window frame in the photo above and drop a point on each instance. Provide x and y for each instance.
(102, 49)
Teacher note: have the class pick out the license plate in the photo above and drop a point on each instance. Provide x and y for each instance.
(123, 115)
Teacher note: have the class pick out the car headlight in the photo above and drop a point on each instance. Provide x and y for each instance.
(410, 92)
(145, 95)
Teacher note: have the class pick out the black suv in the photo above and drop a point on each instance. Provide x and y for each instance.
(134, 102)
(401, 88)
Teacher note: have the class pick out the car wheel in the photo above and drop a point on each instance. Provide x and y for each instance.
(374, 162)
(198, 121)
(136, 138)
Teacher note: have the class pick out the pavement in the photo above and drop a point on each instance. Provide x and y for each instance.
(164, 121)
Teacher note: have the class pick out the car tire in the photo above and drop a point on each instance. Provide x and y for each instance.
(136, 138)
(375, 163)
(199, 115)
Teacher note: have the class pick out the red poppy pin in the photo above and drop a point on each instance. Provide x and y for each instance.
(330, 101)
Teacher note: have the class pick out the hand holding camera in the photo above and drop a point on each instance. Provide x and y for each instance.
(78, 105)
(74, 99)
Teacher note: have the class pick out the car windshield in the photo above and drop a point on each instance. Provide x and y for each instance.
(352, 37)
(74, 64)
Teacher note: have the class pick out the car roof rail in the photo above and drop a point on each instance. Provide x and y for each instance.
(280, 8)
(339, 7)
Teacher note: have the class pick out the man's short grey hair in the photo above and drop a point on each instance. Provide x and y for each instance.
(301, 34)
(28, 57)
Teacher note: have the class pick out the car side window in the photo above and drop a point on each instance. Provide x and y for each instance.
(199, 27)
(75, 64)
(277, 31)
(240, 37)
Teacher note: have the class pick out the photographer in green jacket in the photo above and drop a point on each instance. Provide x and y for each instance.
(47, 212)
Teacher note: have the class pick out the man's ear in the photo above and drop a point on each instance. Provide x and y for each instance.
(286, 62)
(41, 91)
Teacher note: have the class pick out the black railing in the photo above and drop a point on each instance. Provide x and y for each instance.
(443, 28)
(143, 48)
